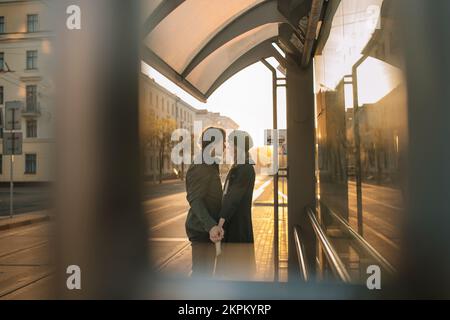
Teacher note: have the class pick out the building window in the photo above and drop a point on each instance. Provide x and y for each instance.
(2, 24)
(30, 163)
(32, 23)
(32, 98)
(1, 95)
(2, 60)
(31, 129)
(32, 57)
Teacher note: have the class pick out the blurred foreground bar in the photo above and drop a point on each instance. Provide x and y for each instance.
(100, 225)
(426, 32)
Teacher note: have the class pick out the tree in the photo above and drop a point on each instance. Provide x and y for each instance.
(157, 132)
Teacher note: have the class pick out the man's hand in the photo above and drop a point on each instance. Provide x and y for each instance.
(216, 234)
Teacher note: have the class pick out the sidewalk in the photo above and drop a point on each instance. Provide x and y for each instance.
(23, 220)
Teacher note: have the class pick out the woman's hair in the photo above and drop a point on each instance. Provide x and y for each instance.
(206, 142)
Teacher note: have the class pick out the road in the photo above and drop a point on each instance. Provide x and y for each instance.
(26, 199)
(383, 213)
(25, 264)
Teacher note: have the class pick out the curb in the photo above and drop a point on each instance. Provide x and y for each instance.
(25, 222)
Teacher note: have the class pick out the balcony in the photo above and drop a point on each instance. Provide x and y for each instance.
(31, 110)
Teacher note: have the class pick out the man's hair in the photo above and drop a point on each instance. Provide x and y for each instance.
(205, 142)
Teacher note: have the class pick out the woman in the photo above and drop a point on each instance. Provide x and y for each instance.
(236, 212)
(237, 261)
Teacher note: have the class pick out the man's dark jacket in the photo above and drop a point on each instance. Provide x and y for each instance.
(204, 194)
(237, 203)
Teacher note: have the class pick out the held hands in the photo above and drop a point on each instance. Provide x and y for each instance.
(216, 233)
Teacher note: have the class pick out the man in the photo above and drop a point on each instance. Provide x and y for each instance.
(204, 194)
(235, 214)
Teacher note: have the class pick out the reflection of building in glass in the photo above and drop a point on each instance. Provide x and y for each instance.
(382, 137)
(25, 60)
(332, 147)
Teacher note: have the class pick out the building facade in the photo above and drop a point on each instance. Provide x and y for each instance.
(158, 104)
(215, 119)
(25, 55)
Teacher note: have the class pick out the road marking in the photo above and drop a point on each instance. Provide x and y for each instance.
(258, 192)
(3, 295)
(172, 256)
(39, 244)
(156, 209)
(283, 195)
(377, 201)
(168, 239)
(379, 235)
(169, 221)
(19, 231)
(368, 185)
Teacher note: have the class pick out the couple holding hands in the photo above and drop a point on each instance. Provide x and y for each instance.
(216, 214)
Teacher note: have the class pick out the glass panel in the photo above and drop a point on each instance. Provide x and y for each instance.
(184, 32)
(361, 133)
(2, 24)
(31, 98)
(32, 23)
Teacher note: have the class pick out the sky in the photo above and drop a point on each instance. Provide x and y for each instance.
(246, 98)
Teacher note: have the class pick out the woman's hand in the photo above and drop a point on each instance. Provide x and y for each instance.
(216, 234)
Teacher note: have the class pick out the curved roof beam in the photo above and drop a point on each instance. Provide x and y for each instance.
(149, 57)
(263, 50)
(162, 11)
(264, 13)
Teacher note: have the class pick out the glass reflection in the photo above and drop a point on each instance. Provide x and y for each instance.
(361, 132)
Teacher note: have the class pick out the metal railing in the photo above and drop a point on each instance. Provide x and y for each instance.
(337, 266)
(301, 254)
(371, 251)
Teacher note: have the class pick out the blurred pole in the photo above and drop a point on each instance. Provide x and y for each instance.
(301, 164)
(357, 138)
(99, 221)
(425, 30)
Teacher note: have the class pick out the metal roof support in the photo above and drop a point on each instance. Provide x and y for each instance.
(149, 57)
(261, 51)
(311, 32)
(264, 13)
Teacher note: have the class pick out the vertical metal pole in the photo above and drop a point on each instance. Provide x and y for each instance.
(275, 177)
(358, 170)
(11, 187)
(11, 173)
